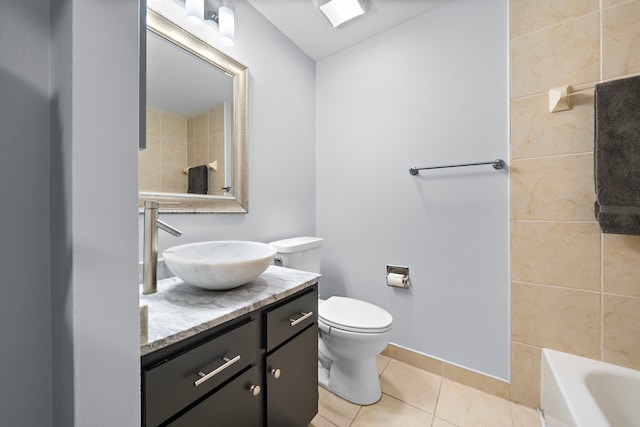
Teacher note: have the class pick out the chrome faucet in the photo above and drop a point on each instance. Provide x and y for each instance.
(150, 247)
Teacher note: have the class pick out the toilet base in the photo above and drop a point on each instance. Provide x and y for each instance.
(354, 380)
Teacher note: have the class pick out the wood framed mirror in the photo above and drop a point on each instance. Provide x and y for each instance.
(196, 120)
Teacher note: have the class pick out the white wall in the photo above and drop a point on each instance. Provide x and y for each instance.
(25, 291)
(68, 300)
(94, 139)
(432, 91)
(281, 140)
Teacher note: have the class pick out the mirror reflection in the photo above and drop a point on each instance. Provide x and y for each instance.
(189, 105)
(195, 124)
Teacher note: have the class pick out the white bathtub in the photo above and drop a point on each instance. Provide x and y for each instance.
(581, 392)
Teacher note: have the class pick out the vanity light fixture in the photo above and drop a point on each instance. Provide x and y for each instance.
(339, 11)
(217, 13)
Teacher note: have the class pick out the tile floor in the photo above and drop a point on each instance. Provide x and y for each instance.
(413, 397)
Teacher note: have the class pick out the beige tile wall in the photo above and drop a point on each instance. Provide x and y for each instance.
(161, 164)
(205, 144)
(174, 143)
(573, 289)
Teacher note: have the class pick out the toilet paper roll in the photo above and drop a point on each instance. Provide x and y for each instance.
(397, 280)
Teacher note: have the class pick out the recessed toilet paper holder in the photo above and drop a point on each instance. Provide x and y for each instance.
(397, 276)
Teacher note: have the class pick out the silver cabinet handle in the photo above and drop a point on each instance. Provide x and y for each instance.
(205, 377)
(276, 373)
(255, 390)
(305, 316)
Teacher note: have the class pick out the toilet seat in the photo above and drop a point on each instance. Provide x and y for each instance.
(353, 315)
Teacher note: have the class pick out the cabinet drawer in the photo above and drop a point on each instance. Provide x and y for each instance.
(237, 404)
(173, 385)
(289, 319)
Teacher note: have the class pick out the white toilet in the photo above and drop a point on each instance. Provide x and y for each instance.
(351, 332)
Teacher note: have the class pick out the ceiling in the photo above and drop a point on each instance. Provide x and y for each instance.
(308, 28)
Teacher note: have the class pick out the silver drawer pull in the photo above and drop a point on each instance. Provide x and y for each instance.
(206, 377)
(305, 316)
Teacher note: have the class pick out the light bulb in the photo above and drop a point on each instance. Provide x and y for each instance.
(194, 12)
(226, 25)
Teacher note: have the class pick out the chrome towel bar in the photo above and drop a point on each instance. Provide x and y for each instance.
(497, 164)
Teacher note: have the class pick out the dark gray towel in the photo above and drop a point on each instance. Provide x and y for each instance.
(198, 180)
(617, 156)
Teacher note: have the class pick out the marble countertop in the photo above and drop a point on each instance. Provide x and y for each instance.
(178, 310)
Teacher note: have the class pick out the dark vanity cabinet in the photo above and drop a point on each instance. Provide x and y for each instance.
(290, 364)
(260, 369)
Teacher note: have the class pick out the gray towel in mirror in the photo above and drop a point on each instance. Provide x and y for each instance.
(617, 156)
(198, 178)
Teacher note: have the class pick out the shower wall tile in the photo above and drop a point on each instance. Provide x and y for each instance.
(216, 147)
(593, 304)
(536, 133)
(621, 334)
(191, 143)
(149, 169)
(553, 188)
(527, 16)
(174, 153)
(201, 126)
(621, 264)
(174, 149)
(190, 124)
(201, 152)
(621, 40)
(175, 143)
(173, 127)
(525, 374)
(153, 123)
(173, 178)
(558, 318)
(565, 54)
(556, 253)
(216, 119)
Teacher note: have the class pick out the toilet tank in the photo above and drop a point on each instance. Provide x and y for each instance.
(301, 253)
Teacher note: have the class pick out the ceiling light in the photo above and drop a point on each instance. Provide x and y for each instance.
(340, 11)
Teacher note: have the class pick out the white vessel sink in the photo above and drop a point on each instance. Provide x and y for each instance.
(219, 265)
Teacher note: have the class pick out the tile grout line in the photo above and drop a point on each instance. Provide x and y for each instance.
(601, 296)
(435, 407)
(555, 286)
(356, 415)
(566, 21)
(552, 156)
(601, 63)
(601, 41)
(513, 422)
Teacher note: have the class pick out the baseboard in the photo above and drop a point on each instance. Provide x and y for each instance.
(452, 372)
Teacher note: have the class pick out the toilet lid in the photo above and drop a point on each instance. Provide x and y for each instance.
(354, 315)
